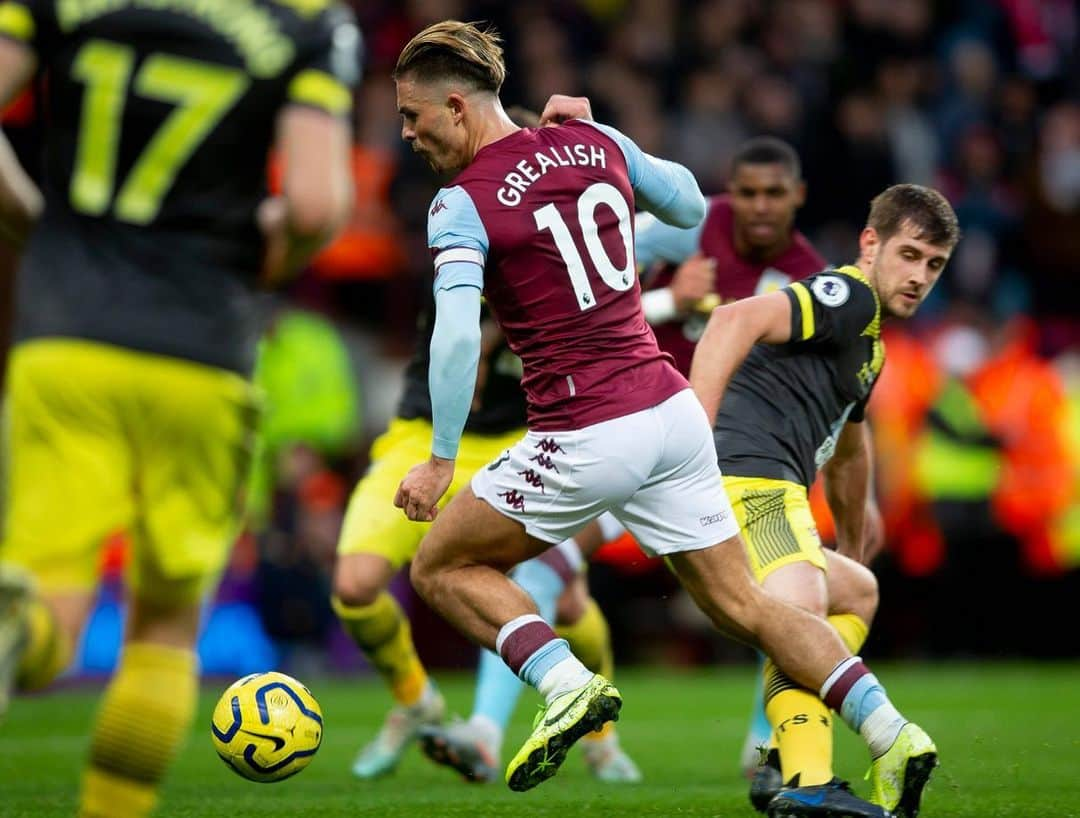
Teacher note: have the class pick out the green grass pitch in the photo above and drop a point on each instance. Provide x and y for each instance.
(1009, 738)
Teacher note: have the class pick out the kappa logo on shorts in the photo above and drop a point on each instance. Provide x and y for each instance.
(712, 519)
(832, 291)
(549, 446)
(513, 499)
(533, 479)
(545, 461)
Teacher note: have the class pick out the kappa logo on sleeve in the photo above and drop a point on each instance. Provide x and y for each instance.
(832, 291)
(438, 207)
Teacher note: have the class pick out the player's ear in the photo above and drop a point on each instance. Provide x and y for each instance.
(869, 245)
(800, 194)
(455, 102)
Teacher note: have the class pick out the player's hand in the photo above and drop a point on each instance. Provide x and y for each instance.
(695, 279)
(873, 532)
(560, 108)
(423, 487)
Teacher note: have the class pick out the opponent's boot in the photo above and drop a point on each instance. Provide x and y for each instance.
(832, 800)
(382, 753)
(608, 762)
(767, 781)
(461, 748)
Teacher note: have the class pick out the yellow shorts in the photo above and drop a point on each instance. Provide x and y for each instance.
(373, 525)
(776, 524)
(100, 439)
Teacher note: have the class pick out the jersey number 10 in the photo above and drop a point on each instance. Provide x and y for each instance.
(548, 217)
(202, 94)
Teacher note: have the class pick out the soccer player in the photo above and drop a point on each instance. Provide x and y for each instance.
(129, 400)
(748, 245)
(541, 221)
(376, 541)
(794, 370)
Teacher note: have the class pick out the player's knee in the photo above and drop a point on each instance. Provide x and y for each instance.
(354, 586)
(853, 588)
(424, 575)
(865, 595)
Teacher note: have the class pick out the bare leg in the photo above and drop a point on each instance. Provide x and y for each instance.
(852, 587)
(804, 646)
(460, 568)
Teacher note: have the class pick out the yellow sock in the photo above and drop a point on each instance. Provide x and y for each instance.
(381, 630)
(853, 631)
(803, 728)
(144, 717)
(590, 640)
(48, 649)
(801, 722)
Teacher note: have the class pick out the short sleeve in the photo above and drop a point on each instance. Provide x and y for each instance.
(30, 22)
(328, 68)
(457, 239)
(830, 308)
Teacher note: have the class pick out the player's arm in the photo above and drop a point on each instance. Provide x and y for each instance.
(317, 190)
(459, 242)
(21, 202)
(314, 137)
(731, 333)
(666, 189)
(455, 355)
(848, 475)
(655, 241)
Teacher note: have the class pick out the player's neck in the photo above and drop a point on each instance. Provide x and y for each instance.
(492, 126)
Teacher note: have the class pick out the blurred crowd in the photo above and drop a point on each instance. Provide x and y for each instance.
(977, 419)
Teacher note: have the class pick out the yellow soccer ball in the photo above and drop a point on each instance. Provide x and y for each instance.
(267, 727)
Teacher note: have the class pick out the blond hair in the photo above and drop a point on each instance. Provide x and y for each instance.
(454, 49)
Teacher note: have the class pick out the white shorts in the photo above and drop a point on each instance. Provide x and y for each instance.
(654, 470)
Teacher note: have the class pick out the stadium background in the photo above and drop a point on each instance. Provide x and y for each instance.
(977, 420)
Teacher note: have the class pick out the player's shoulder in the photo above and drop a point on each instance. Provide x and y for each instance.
(453, 217)
(844, 289)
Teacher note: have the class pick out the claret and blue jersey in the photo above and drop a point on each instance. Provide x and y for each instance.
(542, 222)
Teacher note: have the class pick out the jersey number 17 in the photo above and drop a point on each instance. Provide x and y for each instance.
(202, 93)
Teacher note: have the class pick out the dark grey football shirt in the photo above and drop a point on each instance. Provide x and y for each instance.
(160, 117)
(785, 406)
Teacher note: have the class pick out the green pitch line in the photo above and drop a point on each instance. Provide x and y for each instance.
(1009, 737)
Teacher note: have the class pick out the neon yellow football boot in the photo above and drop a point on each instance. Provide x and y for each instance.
(900, 775)
(568, 718)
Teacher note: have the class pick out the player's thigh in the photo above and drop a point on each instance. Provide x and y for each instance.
(778, 528)
(372, 525)
(682, 505)
(193, 427)
(719, 580)
(469, 531)
(68, 461)
(852, 587)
